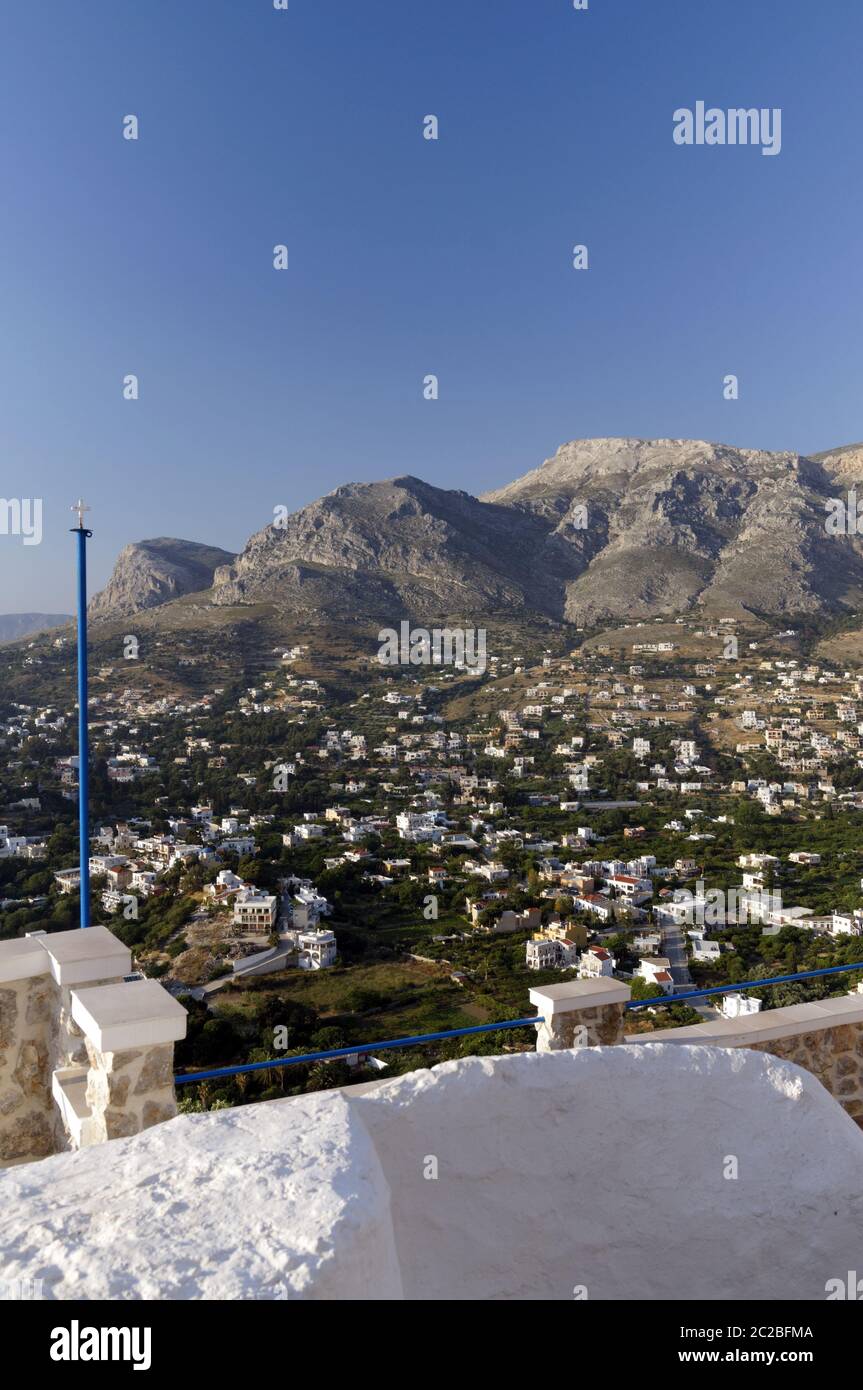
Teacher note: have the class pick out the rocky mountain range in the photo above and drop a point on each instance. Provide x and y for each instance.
(605, 529)
(400, 546)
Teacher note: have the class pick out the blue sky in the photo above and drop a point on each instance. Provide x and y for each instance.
(407, 257)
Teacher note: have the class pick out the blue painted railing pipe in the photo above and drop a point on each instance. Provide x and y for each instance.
(747, 984)
(357, 1050)
(361, 1048)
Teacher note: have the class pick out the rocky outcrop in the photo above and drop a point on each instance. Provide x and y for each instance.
(631, 1172)
(150, 573)
(607, 529)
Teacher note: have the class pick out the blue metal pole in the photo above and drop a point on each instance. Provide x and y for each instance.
(83, 732)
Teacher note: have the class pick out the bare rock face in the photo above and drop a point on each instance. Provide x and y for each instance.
(402, 546)
(607, 529)
(149, 573)
(844, 464)
(676, 521)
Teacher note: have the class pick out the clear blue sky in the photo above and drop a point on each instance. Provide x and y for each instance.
(407, 257)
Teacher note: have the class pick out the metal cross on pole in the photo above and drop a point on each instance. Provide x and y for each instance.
(80, 507)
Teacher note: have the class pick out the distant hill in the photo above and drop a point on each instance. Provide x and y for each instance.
(16, 625)
(149, 573)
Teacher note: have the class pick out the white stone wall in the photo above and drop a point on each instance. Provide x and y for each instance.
(825, 1037)
(599, 1173)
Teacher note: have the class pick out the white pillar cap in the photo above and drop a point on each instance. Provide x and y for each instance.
(23, 957)
(133, 1013)
(82, 955)
(578, 994)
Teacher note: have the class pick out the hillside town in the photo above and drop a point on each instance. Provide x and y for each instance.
(635, 808)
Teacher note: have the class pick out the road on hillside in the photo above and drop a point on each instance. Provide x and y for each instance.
(674, 948)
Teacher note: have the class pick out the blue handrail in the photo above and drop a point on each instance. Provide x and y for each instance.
(360, 1049)
(736, 989)
(357, 1050)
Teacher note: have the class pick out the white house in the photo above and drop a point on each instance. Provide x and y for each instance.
(846, 924)
(738, 1006)
(596, 963)
(541, 954)
(226, 884)
(596, 905)
(68, 880)
(11, 844)
(255, 911)
(101, 863)
(143, 881)
(702, 948)
(240, 844)
(632, 886)
(317, 949)
(551, 953)
(494, 872)
(656, 970)
(309, 831)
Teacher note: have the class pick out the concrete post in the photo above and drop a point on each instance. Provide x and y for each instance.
(580, 1013)
(130, 1031)
(84, 1054)
(29, 1003)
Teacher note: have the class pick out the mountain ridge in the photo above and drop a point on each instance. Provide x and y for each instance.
(610, 528)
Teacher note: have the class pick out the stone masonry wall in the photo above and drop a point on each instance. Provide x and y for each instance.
(132, 1090)
(28, 1014)
(833, 1055)
(67, 1008)
(600, 1026)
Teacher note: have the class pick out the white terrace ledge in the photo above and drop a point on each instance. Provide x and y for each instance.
(772, 1026)
(545, 1162)
(579, 994)
(580, 1013)
(82, 956)
(23, 958)
(825, 1037)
